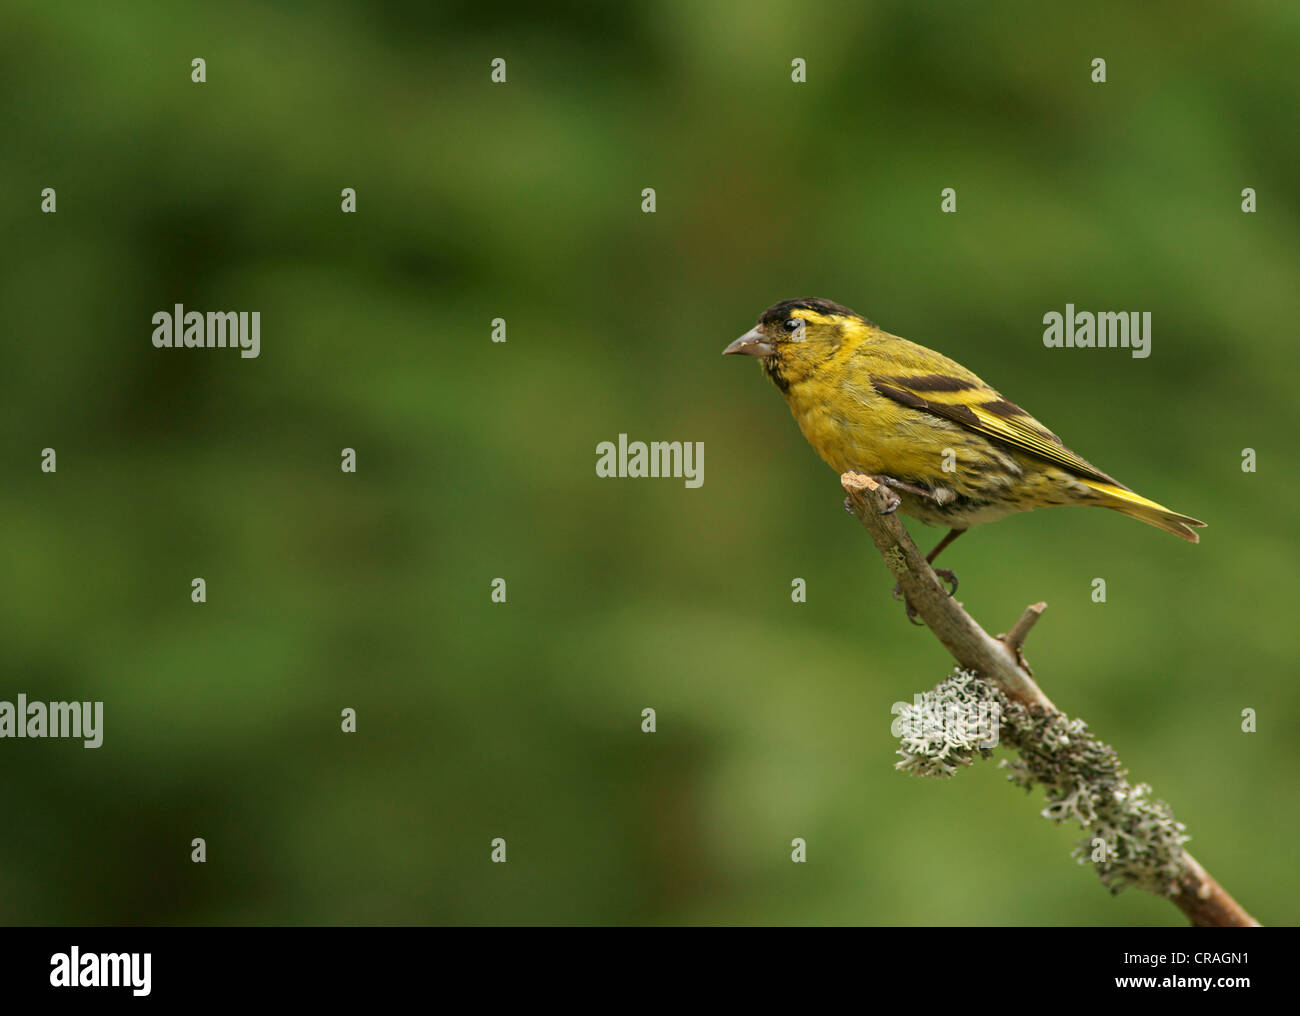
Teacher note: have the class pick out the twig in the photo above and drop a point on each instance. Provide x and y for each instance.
(1000, 661)
(1015, 638)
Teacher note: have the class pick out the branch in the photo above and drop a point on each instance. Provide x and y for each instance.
(973, 647)
(1001, 661)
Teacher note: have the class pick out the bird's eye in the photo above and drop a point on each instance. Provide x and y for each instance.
(793, 324)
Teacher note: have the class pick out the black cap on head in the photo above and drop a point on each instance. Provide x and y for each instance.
(779, 312)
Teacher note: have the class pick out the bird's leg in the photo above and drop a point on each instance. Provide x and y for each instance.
(893, 484)
(944, 574)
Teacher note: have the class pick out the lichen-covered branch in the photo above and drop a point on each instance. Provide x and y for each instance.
(1133, 839)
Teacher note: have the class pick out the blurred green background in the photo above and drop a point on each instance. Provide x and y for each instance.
(477, 460)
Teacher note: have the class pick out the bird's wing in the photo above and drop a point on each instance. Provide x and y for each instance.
(954, 393)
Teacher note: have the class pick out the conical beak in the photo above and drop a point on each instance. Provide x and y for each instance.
(752, 343)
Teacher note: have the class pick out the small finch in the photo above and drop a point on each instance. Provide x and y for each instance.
(952, 449)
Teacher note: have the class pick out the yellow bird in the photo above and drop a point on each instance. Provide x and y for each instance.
(951, 448)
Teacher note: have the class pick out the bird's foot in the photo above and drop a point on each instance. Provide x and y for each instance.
(911, 488)
(912, 615)
(891, 505)
(945, 575)
(892, 500)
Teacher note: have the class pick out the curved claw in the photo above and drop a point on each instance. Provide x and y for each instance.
(912, 615)
(893, 506)
(945, 575)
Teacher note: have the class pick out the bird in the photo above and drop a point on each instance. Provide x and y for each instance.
(949, 447)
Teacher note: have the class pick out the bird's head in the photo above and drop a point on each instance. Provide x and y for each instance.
(793, 336)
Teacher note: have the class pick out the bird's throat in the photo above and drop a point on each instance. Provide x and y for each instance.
(772, 368)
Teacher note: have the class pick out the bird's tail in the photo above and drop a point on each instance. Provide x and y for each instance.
(1125, 501)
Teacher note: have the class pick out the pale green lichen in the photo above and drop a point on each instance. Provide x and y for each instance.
(1084, 781)
(948, 727)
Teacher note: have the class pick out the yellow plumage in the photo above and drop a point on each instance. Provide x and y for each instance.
(956, 452)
